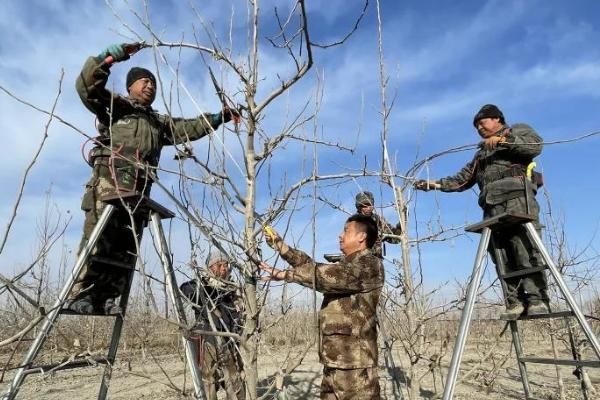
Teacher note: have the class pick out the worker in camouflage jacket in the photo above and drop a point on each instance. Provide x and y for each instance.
(131, 134)
(217, 306)
(365, 205)
(499, 169)
(348, 317)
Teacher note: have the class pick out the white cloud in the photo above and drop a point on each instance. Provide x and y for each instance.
(443, 68)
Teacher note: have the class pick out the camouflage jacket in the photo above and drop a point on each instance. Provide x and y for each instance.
(348, 315)
(221, 300)
(384, 228)
(126, 125)
(499, 172)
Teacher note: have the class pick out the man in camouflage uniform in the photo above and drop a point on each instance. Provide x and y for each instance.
(131, 132)
(217, 306)
(365, 205)
(348, 317)
(499, 169)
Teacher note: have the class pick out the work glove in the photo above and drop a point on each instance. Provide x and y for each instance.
(274, 241)
(117, 51)
(229, 114)
(425, 185)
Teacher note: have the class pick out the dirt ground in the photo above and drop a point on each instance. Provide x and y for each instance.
(164, 376)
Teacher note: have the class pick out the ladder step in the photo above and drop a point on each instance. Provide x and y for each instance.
(557, 314)
(523, 272)
(143, 205)
(500, 221)
(88, 362)
(551, 361)
(66, 311)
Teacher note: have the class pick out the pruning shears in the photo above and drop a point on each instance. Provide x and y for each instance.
(129, 48)
(270, 232)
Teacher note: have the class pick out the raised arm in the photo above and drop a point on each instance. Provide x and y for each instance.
(181, 130)
(91, 82)
(91, 87)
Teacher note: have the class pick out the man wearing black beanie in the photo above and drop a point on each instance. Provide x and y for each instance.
(131, 134)
(499, 169)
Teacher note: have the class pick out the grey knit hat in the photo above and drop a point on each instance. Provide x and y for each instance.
(215, 257)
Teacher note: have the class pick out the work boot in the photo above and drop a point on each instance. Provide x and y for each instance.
(111, 307)
(513, 311)
(537, 307)
(82, 305)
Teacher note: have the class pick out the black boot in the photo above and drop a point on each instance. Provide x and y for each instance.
(537, 307)
(83, 305)
(513, 311)
(111, 307)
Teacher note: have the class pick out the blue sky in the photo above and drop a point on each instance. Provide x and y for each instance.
(537, 60)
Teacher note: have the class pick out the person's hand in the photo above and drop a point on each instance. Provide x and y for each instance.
(274, 241)
(229, 114)
(116, 51)
(273, 274)
(492, 142)
(425, 185)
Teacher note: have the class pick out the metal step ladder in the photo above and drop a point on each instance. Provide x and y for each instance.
(485, 228)
(142, 207)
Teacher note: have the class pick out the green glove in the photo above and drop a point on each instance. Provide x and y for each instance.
(117, 51)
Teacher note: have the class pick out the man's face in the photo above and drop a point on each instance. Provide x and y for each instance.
(488, 127)
(365, 209)
(352, 239)
(143, 91)
(220, 269)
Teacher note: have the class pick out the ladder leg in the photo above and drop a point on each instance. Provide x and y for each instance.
(115, 338)
(518, 345)
(514, 330)
(465, 318)
(54, 311)
(178, 310)
(589, 333)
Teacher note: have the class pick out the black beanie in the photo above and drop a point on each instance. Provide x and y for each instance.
(488, 111)
(136, 73)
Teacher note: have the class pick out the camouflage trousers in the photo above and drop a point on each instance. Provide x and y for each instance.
(517, 252)
(216, 366)
(350, 384)
(117, 242)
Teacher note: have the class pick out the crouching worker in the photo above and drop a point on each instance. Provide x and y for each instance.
(348, 316)
(217, 307)
(365, 205)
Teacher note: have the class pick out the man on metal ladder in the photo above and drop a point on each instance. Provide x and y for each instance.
(116, 204)
(499, 168)
(132, 135)
(510, 231)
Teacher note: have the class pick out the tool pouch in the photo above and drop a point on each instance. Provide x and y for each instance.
(124, 170)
